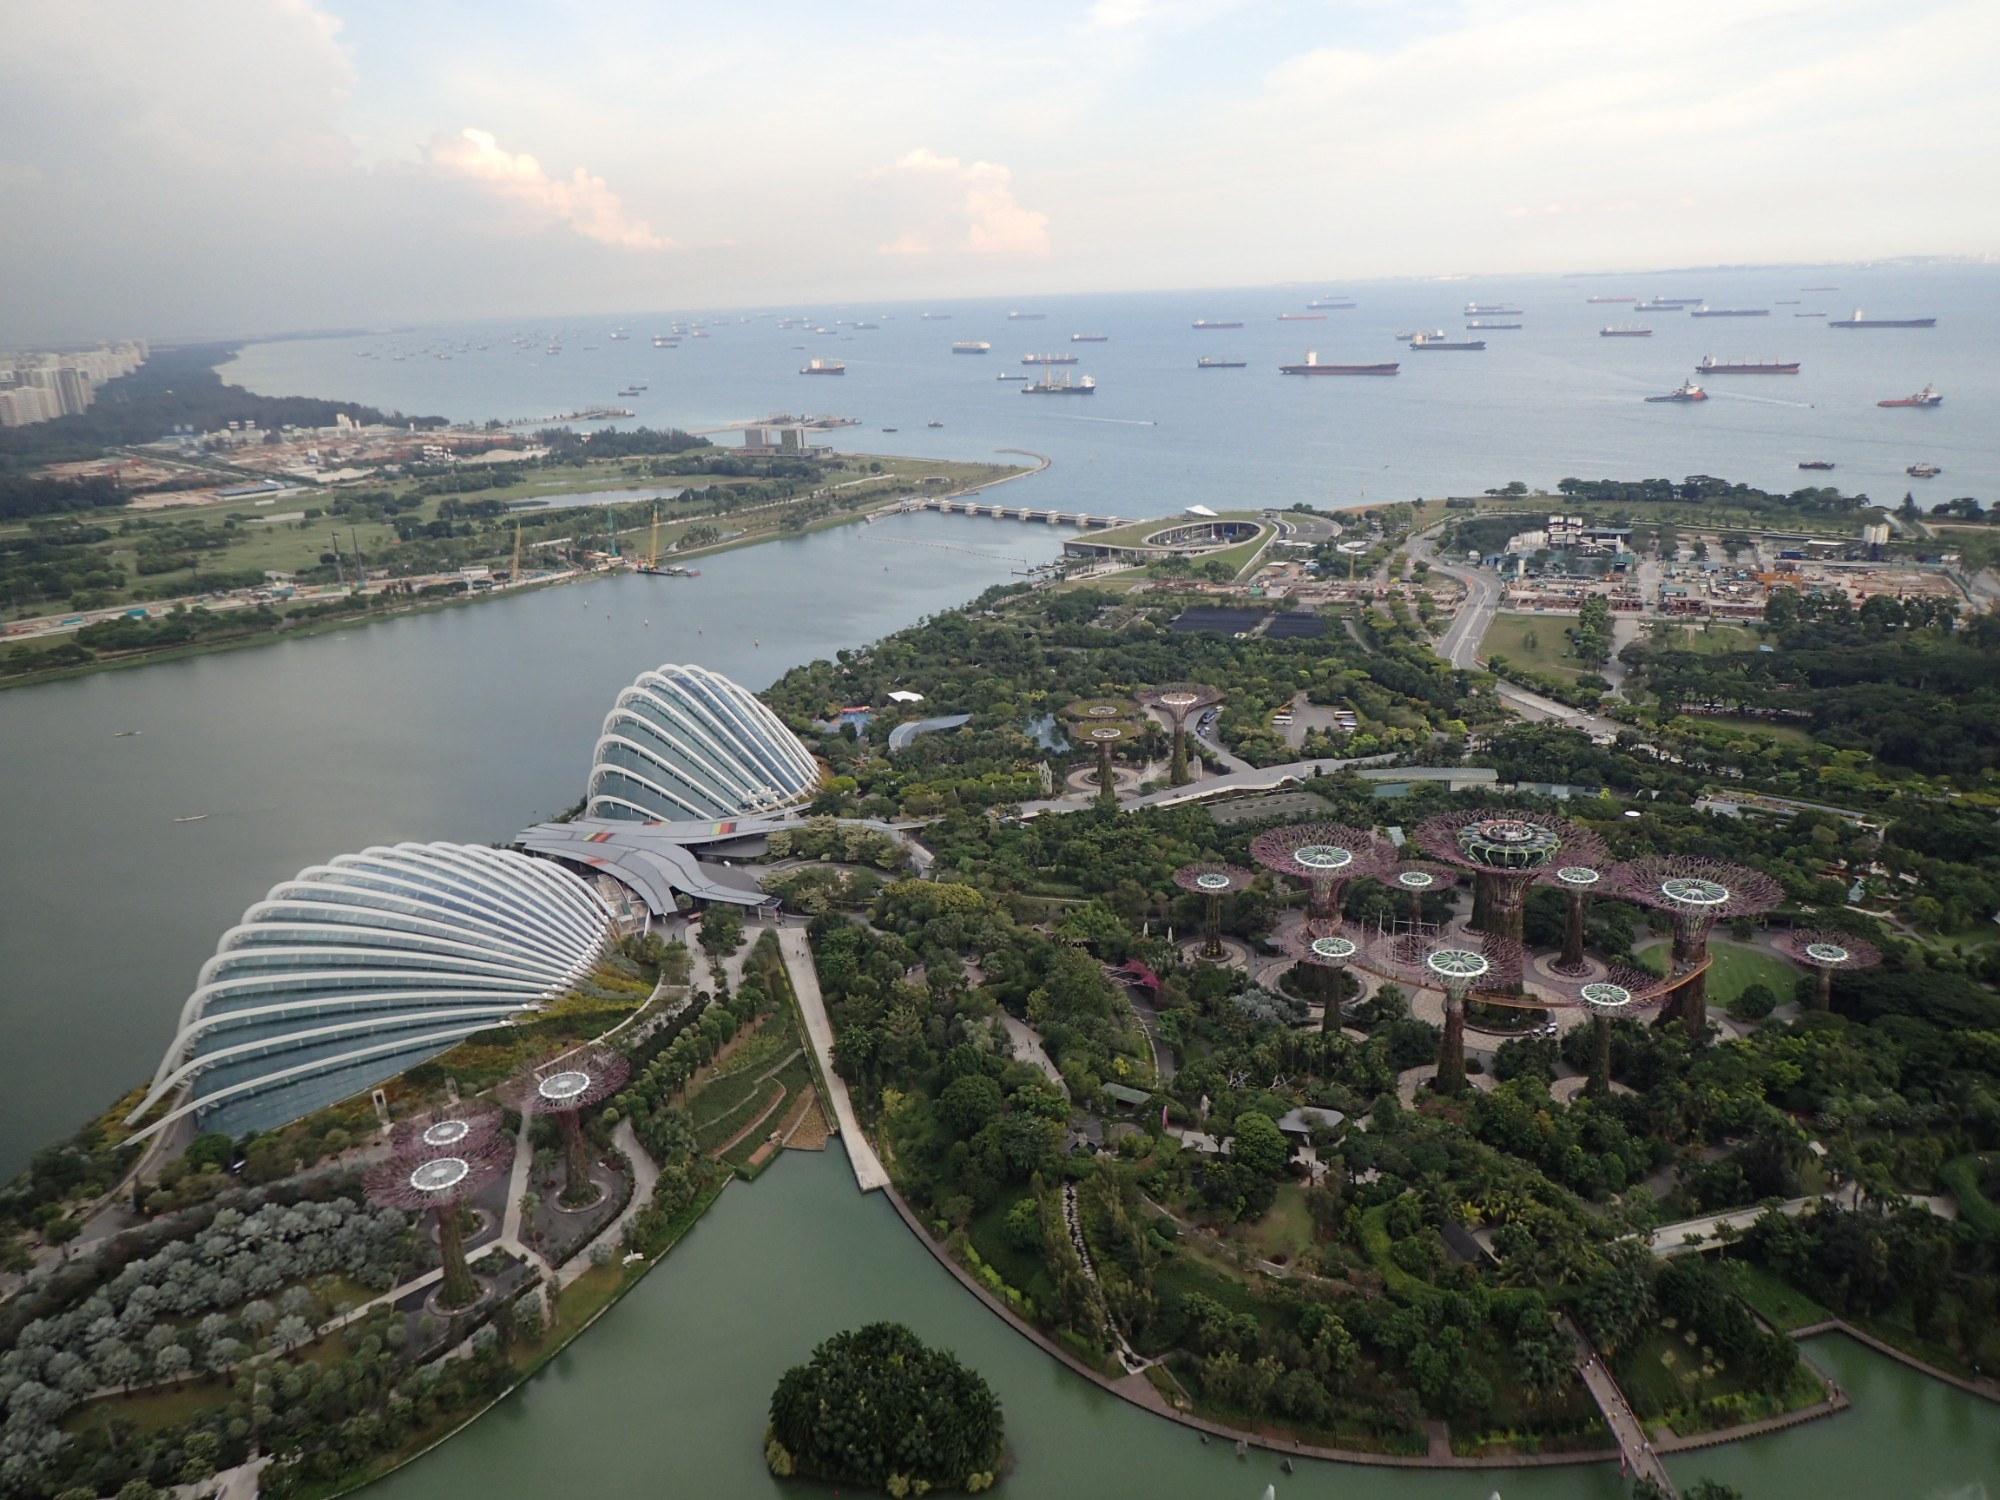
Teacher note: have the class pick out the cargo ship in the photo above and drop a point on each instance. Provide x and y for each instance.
(1048, 385)
(1009, 375)
(823, 367)
(1705, 311)
(1301, 317)
(1809, 315)
(1312, 366)
(1923, 471)
(1331, 304)
(1483, 326)
(1857, 321)
(1710, 365)
(1048, 359)
(928, 317)
(1815, 463)
(1595, 300)
(1688, 391)
(971, 346)
(1612, 331)
(1491, 310)
(1669, 304)
(1928, 396)
(1211, 323)
(1432, 341)
(1021, 317)
(1090, 338)
(1205, 363)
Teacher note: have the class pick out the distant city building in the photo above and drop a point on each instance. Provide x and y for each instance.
(39, 387)
(685, 742)
(363, 967)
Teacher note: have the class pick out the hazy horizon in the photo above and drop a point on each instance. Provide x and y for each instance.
(231, 167)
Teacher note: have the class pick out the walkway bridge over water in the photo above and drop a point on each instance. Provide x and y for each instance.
(951, 507)
(1635, 1451)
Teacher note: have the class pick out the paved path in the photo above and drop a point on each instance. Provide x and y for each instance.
(868, 1170)
(645, 1176)
(1635, 1448)
(1028, 1048)
(1672, 1239)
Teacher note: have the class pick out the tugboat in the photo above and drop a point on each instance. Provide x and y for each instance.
(1923, 471)
(1688, 391)
(1928, 396)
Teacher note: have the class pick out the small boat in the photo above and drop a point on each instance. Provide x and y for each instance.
(888, 429)
(1923, 471)
(933, 423)
(1928, 396)
(1815, 463)
(197, 817)
(1687, 391)
(127, 734)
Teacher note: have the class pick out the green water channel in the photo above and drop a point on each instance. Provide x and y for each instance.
(667, 1394)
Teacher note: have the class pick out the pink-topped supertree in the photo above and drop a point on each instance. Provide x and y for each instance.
(1621, 990)
(564, 1088)
(1213, 881)
(449, 1127)
(1458, 964)
(1576, 879)
(1177, 700)
(1697, 893)
(441, 1180)
(1506, 850)
(1326, 953)
(1823, 952)
(1325, 856)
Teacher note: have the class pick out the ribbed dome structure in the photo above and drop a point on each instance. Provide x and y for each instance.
(685, 742)
(358, 969)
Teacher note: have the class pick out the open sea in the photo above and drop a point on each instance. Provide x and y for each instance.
(1551, 400)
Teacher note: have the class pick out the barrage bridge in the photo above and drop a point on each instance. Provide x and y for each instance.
(949, 507)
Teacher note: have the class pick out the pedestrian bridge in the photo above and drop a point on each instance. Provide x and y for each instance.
(1000, 512)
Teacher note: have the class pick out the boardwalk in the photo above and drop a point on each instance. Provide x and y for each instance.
(868, 1171)
(1636, 1455)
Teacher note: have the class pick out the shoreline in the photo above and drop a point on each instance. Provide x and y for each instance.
(418, 606)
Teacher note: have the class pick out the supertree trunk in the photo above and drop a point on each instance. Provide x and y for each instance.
(577, 1188)
(460, 1290)
(1177, 769)
(1106, 785)
(1572, 954)
(1416, 911)
(1689, 1004)
(1600, 1067)
(1451, 1050)
(1211, 946)
(1823, 989)
(1482, 902)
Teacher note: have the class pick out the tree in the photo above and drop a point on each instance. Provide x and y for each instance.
(1257, 1144)
(969, 1103)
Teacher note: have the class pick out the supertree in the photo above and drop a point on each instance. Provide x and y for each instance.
(1823, 952)
(1325, 952)
(1696, 893)
(1177, 700)
(442, 1180)
(1416, 880)
(1576, 881)
(1214, 882)
(1622, 990)
(1101, 722)
(450, 1127)
(1505, 851)
(1324, 855)
(1456, 964)
(565, 1088)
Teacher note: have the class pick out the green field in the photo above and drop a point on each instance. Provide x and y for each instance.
(1537, 641)
(1732, 970)
(1704, 638)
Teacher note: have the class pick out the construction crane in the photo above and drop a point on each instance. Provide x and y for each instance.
(515, 577)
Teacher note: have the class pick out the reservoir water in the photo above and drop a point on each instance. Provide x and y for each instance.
(667, 1395)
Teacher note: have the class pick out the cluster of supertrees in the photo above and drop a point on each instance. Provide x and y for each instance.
(1505, 852)
(1106, 723)
(439, 1161)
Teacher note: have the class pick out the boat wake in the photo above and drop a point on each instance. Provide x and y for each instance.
(1761, 400)
(1068, 416)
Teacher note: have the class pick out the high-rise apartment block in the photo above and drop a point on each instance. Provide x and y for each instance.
(41, 386)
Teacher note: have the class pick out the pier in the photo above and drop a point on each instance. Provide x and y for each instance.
(1015, 513)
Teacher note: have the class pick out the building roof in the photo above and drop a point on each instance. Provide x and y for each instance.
(1126, 1095)
(1307, 1118)
(357, 969)
(656, 859)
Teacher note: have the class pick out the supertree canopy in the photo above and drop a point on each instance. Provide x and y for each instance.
(566, 1087)
(1325, 856)
(1505, 850)
(1325, 953)
(1697, 893)
(1214, 882)
(1177, 700)
(1105, 724)
(1456, 964)
(1576, 880)
(440, 1180)
(1415, 880)
(1823, 952)
(1622, 990)
(449, 1127)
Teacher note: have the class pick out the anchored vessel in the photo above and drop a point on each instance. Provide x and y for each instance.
(1302, 317)
(1312, 366)
(1611, 331)
(1434, 341)
(1857, 321)
(1923, 471)
(1048, 359)
(1212, 323)
(970, 346)
(823, 367)
(1205, 363)
(1476, 323)
(1705, 311)
(1815, 463)
(1928, 396)
(1331, 304)
(1688, 391)
(1048, 385)
(1710, 365)
(1089, 338)
(1491, 310)
(1021, 317)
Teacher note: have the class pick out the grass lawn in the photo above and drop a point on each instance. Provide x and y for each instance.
(1537, 641)
(1020, 1269)
(1790, 734)
(1732, 970)
(150, 1410)
(1710, 638)
(795, 1077)
(1285, 1232)
(1776, 1301)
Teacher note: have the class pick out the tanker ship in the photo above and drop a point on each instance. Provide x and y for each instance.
(1857, 321)
(1710, 365)
(1312, 366)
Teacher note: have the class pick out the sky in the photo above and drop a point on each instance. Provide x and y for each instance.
(235, 167)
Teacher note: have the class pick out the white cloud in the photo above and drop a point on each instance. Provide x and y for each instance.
(978, 195)
(583, 202)
(906, 244)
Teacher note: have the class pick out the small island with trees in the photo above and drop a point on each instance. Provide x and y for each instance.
(875, 1406)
